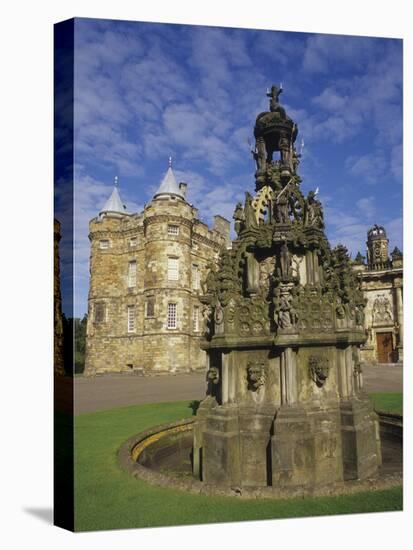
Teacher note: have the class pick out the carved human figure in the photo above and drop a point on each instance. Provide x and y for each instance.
(286, 153)
(275, 107)
(230, 312)
(283, 308)
(359, 315)
(239, 218)
(315, 216)
(208, 283)
(206, 319)
(249, 213)
(285, 261)
(260, 154)
(340, 310)
(294, 305)
(387, 310)
(281, 208)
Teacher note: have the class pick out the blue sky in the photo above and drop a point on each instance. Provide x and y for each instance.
(145, 91)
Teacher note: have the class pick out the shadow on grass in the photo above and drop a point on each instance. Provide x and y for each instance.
(194, 405)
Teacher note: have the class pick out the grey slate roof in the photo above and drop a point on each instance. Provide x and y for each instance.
(169, 186)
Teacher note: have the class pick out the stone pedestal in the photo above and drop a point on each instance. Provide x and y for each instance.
(236, 446)
(360, 439)
(293, 453)
(255, 446)
(221, 449)
(306, 447)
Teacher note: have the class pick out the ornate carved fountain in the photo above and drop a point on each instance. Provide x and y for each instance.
(283, 320)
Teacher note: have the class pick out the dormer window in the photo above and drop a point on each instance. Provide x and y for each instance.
(173, 230)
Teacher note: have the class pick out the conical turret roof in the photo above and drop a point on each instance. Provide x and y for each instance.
(169, 185)
(114, 202)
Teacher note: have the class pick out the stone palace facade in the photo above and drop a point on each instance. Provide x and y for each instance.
(382, 285)
(146, 274)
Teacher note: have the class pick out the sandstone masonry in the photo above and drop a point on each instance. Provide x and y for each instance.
(146, 274)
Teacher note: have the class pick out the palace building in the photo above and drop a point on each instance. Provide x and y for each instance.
(382, 284)
(146, 273)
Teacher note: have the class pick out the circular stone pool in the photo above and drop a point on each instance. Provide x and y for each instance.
(162, 456)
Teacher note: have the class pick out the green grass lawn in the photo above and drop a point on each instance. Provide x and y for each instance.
(388, 402)
(108, 498)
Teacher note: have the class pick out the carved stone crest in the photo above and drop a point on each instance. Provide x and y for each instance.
(318, 367)
(382, 310)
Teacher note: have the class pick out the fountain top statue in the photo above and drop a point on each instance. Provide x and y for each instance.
(274, 131)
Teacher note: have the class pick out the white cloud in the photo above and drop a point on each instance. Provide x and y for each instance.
(367, 207)
(325, 52)
(194, 93)
(394, 230)
(371, 168)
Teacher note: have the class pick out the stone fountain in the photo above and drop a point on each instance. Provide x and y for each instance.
(283, 321)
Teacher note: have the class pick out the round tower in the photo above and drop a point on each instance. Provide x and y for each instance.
(168, 221)
(377, 245)
(105, 300)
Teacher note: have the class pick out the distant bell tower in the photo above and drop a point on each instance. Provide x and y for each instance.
(377, 245)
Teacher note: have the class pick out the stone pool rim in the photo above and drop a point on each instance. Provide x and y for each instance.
(127, 462)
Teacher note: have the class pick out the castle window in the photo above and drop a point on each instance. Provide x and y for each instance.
(173, 269)
(133, 242)
(131, 318)
(195, 277)
(132, 274)
(150, 307)
(173, 230)
(104, 244)
(172, 317)
(195, 319)
(99, 312)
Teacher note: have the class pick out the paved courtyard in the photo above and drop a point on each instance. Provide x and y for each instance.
(108, 392)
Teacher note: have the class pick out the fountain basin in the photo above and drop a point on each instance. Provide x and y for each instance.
(162, 455)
